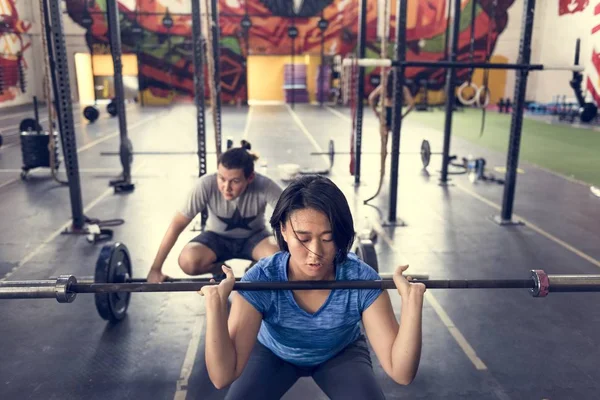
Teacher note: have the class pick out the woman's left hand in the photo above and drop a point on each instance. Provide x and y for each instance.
(404, 286)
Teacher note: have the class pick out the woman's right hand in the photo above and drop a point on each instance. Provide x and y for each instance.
(220, 292)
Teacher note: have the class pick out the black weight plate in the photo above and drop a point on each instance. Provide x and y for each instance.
(91, 113)
(28, 124)
(425, 153)
(365, 250)
(331, 153)
(588, 112)
(111, 108)
(113, 266)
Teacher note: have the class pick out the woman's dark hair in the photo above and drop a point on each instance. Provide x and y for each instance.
(321, 194)
(239, 158)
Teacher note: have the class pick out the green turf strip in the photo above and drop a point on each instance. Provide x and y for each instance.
(569, 151)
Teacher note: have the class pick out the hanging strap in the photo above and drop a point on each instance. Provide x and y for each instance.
(488, 54)
(211, 73)
(383, 129)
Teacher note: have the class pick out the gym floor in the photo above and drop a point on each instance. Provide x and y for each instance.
(477, 344)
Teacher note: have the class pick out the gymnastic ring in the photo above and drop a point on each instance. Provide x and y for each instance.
(478, 96)
(461, 88)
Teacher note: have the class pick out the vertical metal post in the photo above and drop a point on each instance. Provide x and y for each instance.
(216, 34)
(516, 124)
(450, 88)
(247, 37)
(322, 66)
(199, 85)
(293, 65)
(37, 117)
(114, 35)
(52, 64)
(362, 43)
(65, 116)
(399, 77)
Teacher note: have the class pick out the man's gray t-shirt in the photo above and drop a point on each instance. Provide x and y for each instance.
(239, 218)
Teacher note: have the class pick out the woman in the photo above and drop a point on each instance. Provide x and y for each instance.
(311, 333)
(382, 100)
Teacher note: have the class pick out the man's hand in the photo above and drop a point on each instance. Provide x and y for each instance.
(156, 276)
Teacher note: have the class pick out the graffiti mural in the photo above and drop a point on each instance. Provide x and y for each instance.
(572, 6)
(164, 52)
(15, 51)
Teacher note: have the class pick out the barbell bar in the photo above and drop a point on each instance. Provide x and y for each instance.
(373, 62)
(88, 280)
(66, 287)
(425, 152)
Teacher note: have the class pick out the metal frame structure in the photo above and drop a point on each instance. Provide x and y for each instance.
(516, 123)
(362, 44)
(216, 33)
(399, 79)
(62, 95)
(522, 69)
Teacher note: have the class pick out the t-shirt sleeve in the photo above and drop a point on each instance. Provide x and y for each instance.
(197, 198)
(261, 300)
(273, 192)
(366, 297)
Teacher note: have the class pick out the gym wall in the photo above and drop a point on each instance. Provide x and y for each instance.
(562, 23)
(166, 65)
(15, 38)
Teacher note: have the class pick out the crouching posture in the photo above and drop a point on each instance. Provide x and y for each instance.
(273, 337)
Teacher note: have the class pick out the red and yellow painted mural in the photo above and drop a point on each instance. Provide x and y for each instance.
(165, 59)
(14, 44)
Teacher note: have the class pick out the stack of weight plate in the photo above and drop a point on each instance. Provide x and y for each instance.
(323, 95)
(295, 86)
(34, 149)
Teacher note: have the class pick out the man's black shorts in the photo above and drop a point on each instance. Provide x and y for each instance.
(227, 248)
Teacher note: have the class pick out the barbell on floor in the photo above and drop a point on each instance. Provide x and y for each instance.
(425, 152)
(229, 144)
(113, 286)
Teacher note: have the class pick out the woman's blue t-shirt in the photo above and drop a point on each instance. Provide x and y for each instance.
(297, 336)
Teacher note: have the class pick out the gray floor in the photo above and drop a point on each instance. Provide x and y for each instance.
(477, 344)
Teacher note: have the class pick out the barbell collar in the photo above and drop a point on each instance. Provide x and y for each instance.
(63, 292)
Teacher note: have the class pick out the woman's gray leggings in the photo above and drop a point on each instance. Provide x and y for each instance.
(348, 375)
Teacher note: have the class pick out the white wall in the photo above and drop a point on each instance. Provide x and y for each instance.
(555, 44)
(34, 56)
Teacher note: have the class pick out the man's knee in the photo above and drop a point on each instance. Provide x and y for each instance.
(265, 248)
(196, 259)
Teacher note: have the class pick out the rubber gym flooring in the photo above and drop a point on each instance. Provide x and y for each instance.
(477, 344)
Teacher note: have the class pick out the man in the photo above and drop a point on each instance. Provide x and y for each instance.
(235, 197)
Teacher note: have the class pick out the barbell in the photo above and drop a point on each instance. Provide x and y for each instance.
(112, 285)
(425, 152)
